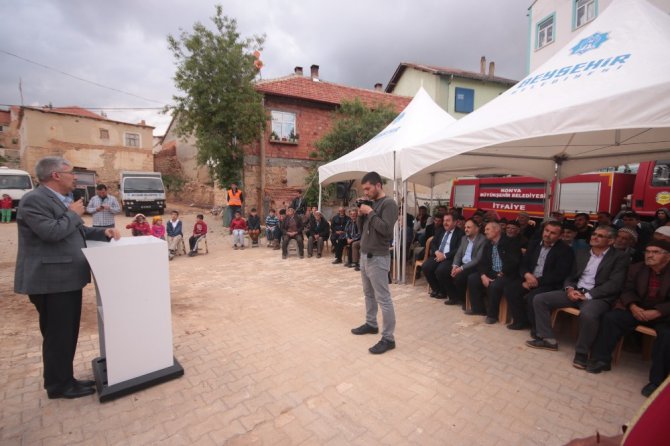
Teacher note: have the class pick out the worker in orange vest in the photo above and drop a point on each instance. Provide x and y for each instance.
(235, 199)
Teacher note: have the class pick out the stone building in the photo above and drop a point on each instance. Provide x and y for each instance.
(89, 141)
(300, 112)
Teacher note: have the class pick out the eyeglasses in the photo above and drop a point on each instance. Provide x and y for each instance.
(70, 172)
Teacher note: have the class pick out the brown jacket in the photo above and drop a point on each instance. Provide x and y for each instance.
(635, 288)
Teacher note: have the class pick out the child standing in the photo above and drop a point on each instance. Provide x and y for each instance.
(157, 228)
(237, 227)
(199, 231)
(6, 208)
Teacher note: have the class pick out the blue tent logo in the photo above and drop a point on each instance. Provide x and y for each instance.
(590, 43)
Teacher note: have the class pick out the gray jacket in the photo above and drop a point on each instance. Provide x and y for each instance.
(377, 227)
(477, 251)
(50, 259)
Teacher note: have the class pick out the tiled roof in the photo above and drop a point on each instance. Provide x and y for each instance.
(446, 71)
(82, 112)
(303, 87)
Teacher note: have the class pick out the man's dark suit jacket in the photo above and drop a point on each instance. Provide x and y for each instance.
(454, 243)
(557, 265)
(509, 250)
(51, 236)
(637, 286)
(298, 224)
(610, 275)
(435, 243)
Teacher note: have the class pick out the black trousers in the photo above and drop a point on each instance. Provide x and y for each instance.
(60, 315)
(520, 301)
(339, 245)
(284, 245)
(618, 323)
(437, 273)
(457, 286)
(478, 293)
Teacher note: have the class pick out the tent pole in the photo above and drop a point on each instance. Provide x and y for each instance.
(403, 246)
(432, 185)
(320, 197)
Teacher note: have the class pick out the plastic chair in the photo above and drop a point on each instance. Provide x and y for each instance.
(419, 263)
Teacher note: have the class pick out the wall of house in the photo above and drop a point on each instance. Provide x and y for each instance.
(78, 140)
(442, 89)
(564, 31)
(9, 138)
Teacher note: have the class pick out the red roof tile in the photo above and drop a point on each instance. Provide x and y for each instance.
(303, 87)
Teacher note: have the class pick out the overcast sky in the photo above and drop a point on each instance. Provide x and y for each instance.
(122, 44)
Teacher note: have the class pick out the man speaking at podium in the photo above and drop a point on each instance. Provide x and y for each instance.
(52, 270)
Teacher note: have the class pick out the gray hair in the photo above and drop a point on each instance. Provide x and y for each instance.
(611, 231)
(48, 165)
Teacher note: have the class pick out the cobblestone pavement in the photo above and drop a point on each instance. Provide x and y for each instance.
(269, 360)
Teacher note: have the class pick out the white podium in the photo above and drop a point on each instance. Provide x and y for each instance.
(134, 315)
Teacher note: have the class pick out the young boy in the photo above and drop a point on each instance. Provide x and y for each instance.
(237, 227)
(271, 223)
(199, 231)
(174, 233)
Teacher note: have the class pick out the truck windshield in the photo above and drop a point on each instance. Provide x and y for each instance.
(154, 185)
(15, 182)
(661, 176)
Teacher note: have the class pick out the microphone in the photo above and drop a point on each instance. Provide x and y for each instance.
(77, 194)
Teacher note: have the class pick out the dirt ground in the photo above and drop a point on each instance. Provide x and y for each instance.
(269, 359)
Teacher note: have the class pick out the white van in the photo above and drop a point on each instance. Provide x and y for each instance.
(15, 183)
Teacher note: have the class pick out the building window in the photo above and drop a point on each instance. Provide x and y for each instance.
(2, 128)
(132, 139)
(545, 32)
(283, 126)
(585, 11)
(104, 134)
(465, 100)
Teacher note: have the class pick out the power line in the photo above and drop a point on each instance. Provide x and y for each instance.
(77, 77)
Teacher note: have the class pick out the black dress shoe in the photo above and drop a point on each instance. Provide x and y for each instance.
(382, 347)
(580, 361)
(541, 343)
(336, 261)
(490, 320)
(71, 392)
(434, 293)
(596, 366)
(473, 313)
(450, 301)
(348, 265)
(84, 382)
(357, 267)
(365, 329)
(649, 389)
(438, 296)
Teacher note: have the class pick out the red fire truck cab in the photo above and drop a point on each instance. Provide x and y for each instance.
(644, 188)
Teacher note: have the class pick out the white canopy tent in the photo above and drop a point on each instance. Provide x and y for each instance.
(420, 118)
(602, 100)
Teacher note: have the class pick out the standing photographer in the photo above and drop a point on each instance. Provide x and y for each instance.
(377, 216)
(103, 207)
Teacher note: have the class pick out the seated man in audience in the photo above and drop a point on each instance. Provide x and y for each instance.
(583, 227)
(465, 263)
(438, 267)
(317, 234)
(338, 237)
(626, 241)
(645, 300)
(593, 285)
(421, 223)
(271, 224)
(291, 228)
(526, 225)
(254, 227)
(558, 216)
(199, 231)
(662, 233)
(544, 267)
(431, 230)
(174, 233)
(278, 234)
(631, 220)
(603, 218)
(498, 267)
(353, 239)
(569, 237)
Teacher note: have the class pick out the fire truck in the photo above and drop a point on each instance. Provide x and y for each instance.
(642, 188)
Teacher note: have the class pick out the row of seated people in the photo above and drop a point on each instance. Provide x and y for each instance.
(342, 231)
(172, 232)
(551, 274)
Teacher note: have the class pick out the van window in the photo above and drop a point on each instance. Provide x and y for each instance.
(661, 175)
(15, 182)
(131, 185)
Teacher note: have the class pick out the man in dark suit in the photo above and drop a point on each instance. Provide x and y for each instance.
(498, 267)
(645, 300)
(465, 263)
(438, 266)
(52, 270)
(594, 283)
(544, 267)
